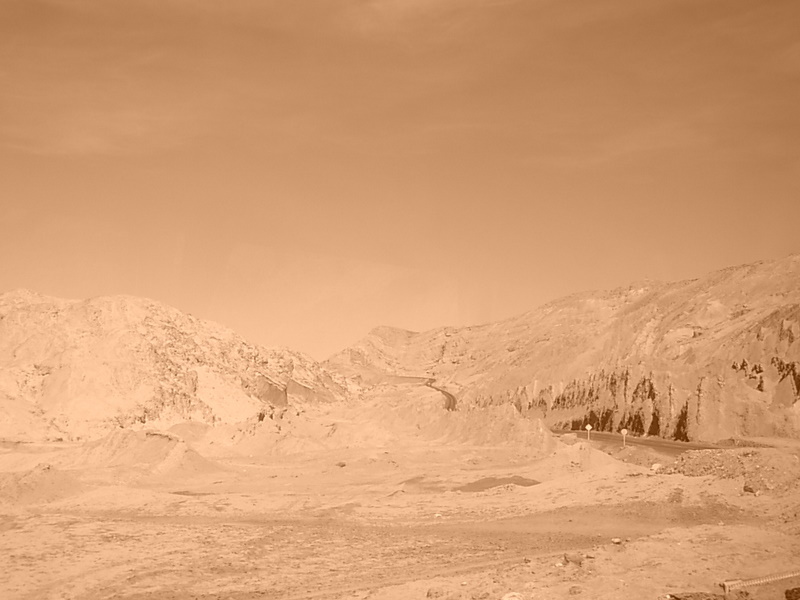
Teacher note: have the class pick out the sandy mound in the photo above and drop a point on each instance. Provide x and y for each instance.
(394, 415)
(149, 452)
(491, 426)
(397, 417)
(43, 483)
(24, 456)
(312, 429)
(578, 457)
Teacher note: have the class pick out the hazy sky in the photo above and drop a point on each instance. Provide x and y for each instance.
(302, 171)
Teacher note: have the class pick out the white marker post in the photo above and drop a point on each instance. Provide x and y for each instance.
(588, 432)
(624, 432)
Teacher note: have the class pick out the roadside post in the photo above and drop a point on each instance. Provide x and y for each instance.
(588, 432)
(624, 432)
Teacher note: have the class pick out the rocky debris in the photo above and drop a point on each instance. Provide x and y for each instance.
(740, 443)
(722, 464)
(792, 594)
(765, 470)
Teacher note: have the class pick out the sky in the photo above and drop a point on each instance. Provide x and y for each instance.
(304, 171)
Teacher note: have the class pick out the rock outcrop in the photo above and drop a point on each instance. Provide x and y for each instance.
(709, 358)
(71, 369)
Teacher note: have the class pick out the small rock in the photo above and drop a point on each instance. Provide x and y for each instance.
(341, 464)
(616, 541)
(513, 596)
(656, 467)
(575, 590)
(748, 489)
(573, 557)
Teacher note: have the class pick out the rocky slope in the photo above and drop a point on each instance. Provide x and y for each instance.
(71, 369)
(708, 358)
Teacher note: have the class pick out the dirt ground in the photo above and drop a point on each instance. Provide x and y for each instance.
(385, 509)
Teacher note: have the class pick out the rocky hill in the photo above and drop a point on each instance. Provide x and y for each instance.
(708, 358)
(72, 369)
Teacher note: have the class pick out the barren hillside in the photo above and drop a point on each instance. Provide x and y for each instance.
(708, 358)
(71, 369)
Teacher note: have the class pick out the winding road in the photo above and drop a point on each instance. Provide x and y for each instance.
(449, 399)
(670, 447)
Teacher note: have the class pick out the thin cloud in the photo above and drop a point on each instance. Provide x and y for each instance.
(72, 119)
(637, 142)
(87, 132)
(79, 80)
(394, 17)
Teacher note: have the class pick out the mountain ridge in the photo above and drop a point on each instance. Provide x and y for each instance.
(75, 368)
(657, 359)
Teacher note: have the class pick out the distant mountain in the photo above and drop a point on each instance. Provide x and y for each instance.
(707, 358)
(74, 369)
